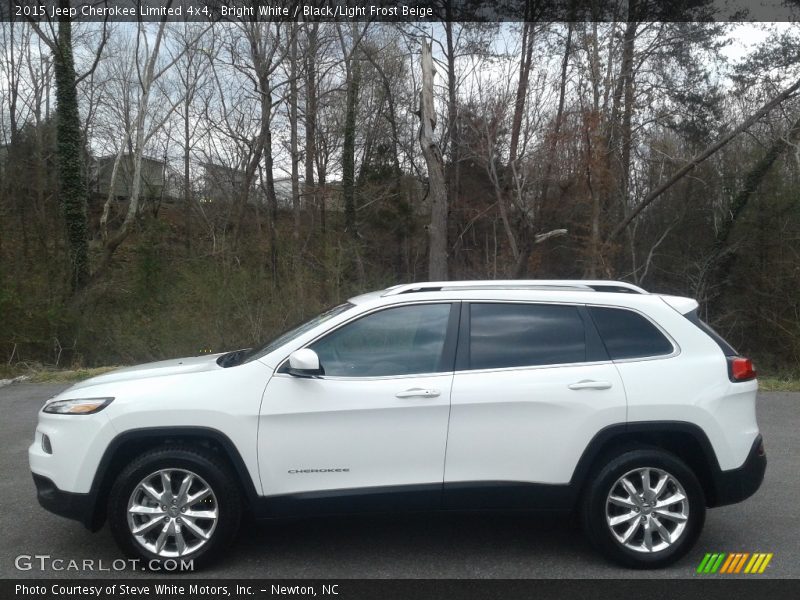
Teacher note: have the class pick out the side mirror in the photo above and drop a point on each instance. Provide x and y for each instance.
(304, 363)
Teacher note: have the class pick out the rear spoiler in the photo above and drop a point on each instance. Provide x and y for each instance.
(681, 304)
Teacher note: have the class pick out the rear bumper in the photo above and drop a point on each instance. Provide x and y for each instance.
(79, 507)
(738, 484)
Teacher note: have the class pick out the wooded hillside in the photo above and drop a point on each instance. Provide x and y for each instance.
(167, 189)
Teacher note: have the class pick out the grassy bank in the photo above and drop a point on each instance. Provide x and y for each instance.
(787, 383)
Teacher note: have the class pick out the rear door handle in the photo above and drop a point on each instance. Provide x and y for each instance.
(588, 384)
(418, 393)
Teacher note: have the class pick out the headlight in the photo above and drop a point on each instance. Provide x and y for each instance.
(79, 406)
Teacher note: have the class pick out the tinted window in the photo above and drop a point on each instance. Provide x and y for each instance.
(628, 334)
(518, 335)
(395, 341)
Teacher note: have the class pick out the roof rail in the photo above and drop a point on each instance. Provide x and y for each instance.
(587, 285)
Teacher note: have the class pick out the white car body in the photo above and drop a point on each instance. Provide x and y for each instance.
(451, 431)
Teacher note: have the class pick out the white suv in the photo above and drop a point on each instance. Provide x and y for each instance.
(593, 396)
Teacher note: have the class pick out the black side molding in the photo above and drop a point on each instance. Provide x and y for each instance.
(508, 495)
(380, 499)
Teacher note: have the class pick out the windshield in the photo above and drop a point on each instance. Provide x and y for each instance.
(295, 332)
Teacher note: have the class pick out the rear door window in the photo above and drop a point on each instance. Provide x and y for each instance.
(521, 335)
(628, 334)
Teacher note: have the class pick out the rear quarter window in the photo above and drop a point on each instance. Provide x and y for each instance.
(627, 334)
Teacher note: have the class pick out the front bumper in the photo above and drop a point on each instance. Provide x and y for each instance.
(79, 507)
(738, 484)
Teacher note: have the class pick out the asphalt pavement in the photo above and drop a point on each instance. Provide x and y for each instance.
(431, 545)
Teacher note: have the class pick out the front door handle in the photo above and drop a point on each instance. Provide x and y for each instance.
(418, 393)
(589, 384)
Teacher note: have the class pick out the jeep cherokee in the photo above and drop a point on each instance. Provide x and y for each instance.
(588, 396)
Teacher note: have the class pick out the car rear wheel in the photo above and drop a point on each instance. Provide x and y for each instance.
(644, 509)
(175, 503)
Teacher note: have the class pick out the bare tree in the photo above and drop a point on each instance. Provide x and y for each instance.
(193, 76)
(437, 188)
(142, 130)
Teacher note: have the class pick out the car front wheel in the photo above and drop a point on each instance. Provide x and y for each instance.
(175, 502)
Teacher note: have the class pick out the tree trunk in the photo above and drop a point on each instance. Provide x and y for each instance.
(522, 89)
(437, 232)
(454, 139)
(272, 203)
(507, 189)
(592, 128)
(625, 125)
(528, 239)
(349, 146)
(321, 161)
(110, 197)
(613, 189)
(295, 155)
(187, 182)
(70, 159)
(311, 112)
(13, 85)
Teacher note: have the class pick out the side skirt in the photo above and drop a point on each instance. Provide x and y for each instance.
(480, 495)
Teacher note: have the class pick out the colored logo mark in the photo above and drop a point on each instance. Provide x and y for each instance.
(734, 562)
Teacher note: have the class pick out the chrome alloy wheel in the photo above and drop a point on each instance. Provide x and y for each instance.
(172, 512)
(647, 510)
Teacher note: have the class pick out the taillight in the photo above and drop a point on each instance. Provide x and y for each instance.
(740, 369)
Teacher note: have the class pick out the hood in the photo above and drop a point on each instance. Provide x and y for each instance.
(177, 366)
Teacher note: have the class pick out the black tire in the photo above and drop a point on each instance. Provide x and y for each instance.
(201, 462)
(604, 480)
